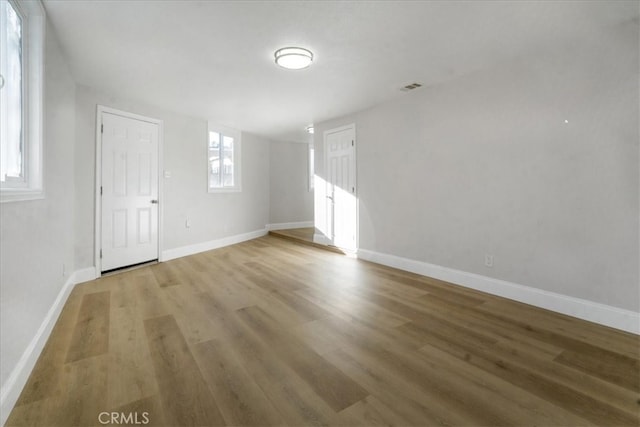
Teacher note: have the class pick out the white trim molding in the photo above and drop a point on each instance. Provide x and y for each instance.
(290, 225)
(85, 275)
(183, 251)
(614, 317)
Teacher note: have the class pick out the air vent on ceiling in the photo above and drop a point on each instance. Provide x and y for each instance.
(411, 87)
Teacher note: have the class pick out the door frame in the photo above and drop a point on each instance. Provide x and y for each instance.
(100, 110)
(352, 126)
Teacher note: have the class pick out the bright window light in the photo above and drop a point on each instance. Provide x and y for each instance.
(223, 159)
(22, 26)
(12, 146)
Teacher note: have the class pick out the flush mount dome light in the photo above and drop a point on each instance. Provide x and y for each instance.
(293, 58)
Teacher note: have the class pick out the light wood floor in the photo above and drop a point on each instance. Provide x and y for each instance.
(270, 332)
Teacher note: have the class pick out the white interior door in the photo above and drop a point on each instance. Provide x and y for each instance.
(129, 187)
(341, 186)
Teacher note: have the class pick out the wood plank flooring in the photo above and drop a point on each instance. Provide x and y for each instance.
(271, 332)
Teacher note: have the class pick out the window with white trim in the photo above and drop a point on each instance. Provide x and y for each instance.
(224, 159)
(21, 79)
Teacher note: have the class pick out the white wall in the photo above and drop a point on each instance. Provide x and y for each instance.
(37, 236)
(291, 200)
(486, 164)
(212, 216)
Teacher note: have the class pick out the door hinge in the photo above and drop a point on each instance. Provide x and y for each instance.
(352, 143)
(353, 189)
(101, 190)
(100, 253)
(101, 128)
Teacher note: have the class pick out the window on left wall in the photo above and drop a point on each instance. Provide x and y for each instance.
(21, 80)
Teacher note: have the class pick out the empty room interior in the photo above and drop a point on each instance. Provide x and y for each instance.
(347, 213)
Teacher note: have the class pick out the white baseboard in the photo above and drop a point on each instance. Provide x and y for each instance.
(18, 377)
(85, 275)
(290, 225)
(614, 317)
(180, 252)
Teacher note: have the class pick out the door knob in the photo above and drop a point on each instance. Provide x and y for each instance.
(154, 201)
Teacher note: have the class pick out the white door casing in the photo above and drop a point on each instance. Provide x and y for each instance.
(129, 190)
(341, 186)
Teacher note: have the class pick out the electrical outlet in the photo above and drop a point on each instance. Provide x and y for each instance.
(488, 260)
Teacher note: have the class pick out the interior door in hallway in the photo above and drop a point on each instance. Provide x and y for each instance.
(341, 186)
(129, 191)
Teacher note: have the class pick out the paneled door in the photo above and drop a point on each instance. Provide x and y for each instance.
(341, 186)
(129, 191)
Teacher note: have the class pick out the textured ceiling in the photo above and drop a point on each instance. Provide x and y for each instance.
(214, 59)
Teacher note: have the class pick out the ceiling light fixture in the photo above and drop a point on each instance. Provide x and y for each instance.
(293, 58)
(310, 129)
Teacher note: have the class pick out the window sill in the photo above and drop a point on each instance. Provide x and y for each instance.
(20, 195)
(225, 190)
